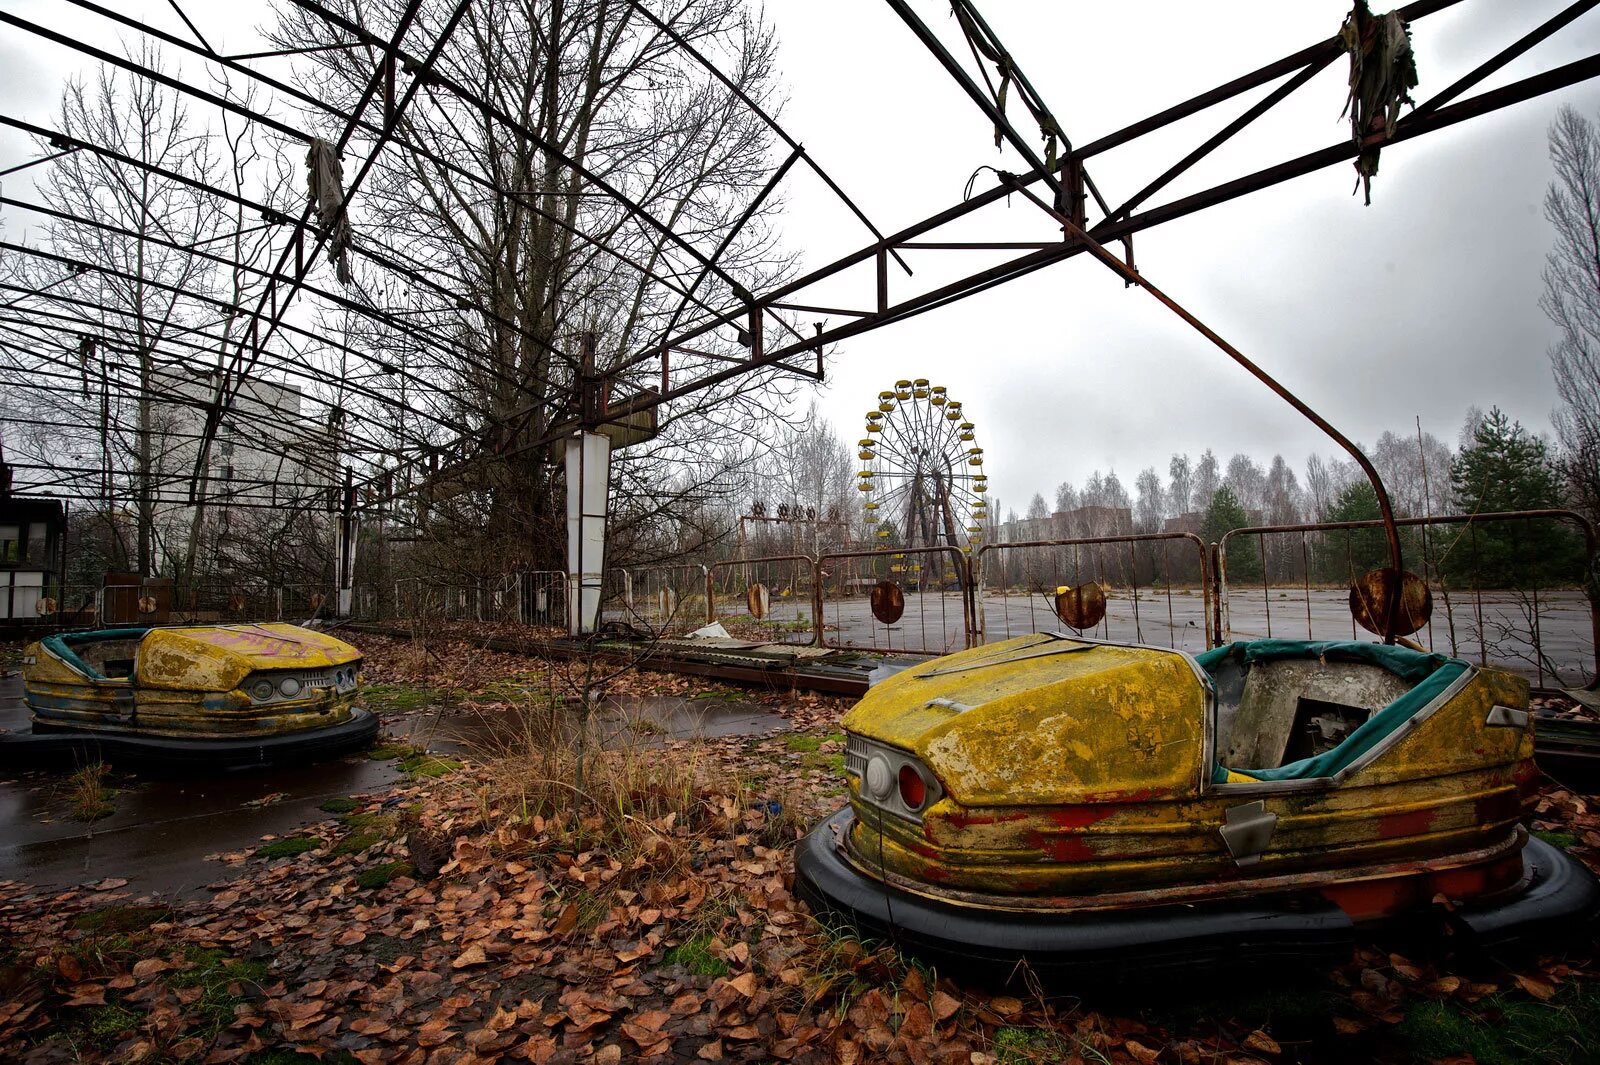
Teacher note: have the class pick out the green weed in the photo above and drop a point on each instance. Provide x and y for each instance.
(1506, 1030)
(1558, 837)
(695, 956)
(288, 848)
(114, 920)
(379, 875)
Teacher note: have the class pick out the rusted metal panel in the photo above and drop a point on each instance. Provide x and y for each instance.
(191, 683)
(1077, 774)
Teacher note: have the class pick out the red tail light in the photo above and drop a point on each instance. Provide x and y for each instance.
(913, 792)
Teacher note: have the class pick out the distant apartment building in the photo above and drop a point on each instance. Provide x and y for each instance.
(1078, 523)
(266, 455)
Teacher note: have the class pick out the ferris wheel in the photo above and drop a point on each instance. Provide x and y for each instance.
(922, 478)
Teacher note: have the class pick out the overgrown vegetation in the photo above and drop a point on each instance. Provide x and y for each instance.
(89, 794)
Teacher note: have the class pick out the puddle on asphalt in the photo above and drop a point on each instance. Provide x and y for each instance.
(164, 828)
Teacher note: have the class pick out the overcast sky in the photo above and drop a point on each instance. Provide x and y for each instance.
(1422, 304)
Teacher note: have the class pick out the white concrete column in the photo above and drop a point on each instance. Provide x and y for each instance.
(588, 480)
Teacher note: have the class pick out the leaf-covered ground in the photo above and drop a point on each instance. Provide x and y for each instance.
(469, 916)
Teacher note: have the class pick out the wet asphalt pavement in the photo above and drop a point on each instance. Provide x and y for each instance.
(166, 831)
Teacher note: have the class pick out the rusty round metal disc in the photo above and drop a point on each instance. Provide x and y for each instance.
(147, 604)
(1081, 607)
(758, 599)
(888, 602)
(45, 606)
(236, 603)
(316, 602)
(1369, 601)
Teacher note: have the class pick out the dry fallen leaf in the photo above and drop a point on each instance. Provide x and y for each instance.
(944, 1006)
(1141, 1053)
(1259, 1040)
(1539, 989)
(473, 955)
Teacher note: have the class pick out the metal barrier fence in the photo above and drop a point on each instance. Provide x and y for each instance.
(1156, 587)
(935, 600)
(670, 600)
(497, 599)
(543, 597)
(1514, 589)
(772, 598)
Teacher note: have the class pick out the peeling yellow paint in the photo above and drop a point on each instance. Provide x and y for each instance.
(1090, 772)
(187, 683)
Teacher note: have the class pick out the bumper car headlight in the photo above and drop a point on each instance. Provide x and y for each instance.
(289, 687)
(261, 690)
(892, 779)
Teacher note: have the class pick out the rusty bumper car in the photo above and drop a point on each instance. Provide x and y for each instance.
(211, 696)
(1117, 810)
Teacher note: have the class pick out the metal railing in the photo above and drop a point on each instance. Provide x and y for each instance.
(935, 586)
(771, 598)
(1512, 589)
(1157, 587)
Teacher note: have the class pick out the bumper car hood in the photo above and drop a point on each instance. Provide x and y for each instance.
(1047, 721)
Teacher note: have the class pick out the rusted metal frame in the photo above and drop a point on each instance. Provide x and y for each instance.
(1202, 551)
(193, 28)
(688, 47)
(1591, 541)
(1078, 179)
(1239, 85)
(392, 321)
(1217, 139)
(65, 476)
(1407, 128)
(456, 88)
(1127, 273)
(111, 59)
(1484, 103)
(27, 327)
(804, 308)
(1002, 124)
(230, 62)
(73, 386)
(958, 565)
(973, 245)
(278, 53)
(35, 162)
(1501, 58)
(211, 301)
(1330, 47)
(729, 237)
(1266, 595)
(240, 366)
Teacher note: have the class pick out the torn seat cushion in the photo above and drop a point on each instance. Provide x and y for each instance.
(1429, 675)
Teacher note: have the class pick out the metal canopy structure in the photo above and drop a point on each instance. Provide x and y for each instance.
(294, 311)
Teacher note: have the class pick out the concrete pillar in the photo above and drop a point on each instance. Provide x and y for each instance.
(588, 461)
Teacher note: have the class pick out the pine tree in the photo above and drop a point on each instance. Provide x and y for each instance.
(1349, 553)
(1226, 513)
(1504, 467)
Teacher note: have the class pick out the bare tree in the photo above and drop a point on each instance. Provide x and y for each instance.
(128, 241)
(1181, 490)
(1572, 298)
(497, 203)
